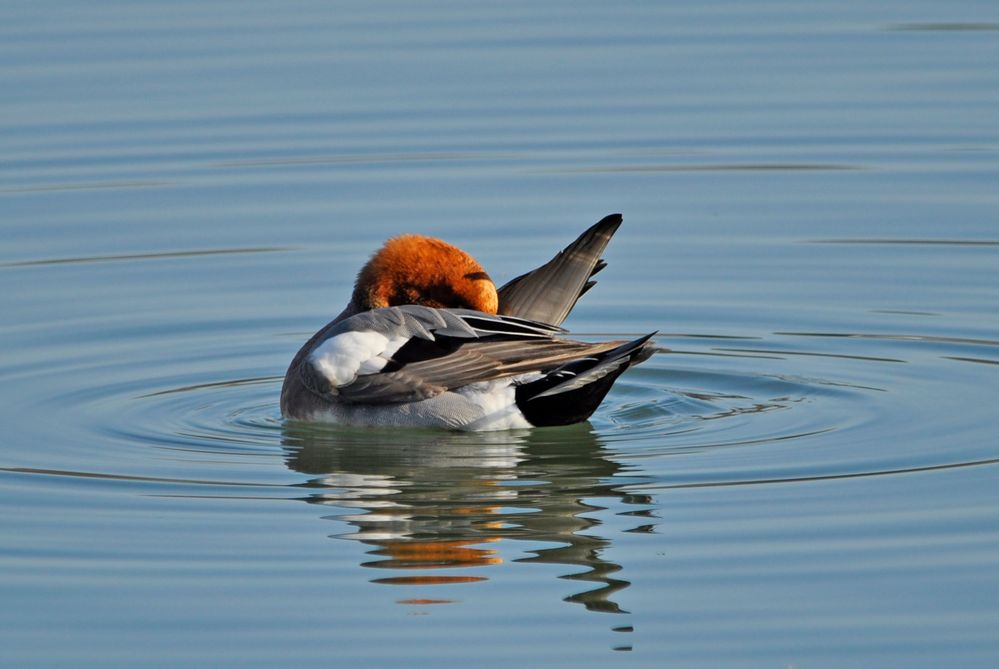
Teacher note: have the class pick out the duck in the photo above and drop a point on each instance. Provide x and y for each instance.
(428, 340)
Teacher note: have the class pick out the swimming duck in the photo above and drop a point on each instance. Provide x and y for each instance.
(428, 340)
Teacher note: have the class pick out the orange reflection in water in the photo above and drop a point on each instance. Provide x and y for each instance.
(435, 554)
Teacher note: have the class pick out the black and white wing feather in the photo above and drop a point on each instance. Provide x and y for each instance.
(411, 353)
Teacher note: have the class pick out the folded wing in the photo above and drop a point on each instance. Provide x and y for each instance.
(411, 353)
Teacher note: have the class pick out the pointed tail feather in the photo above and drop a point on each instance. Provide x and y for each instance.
(549, 293)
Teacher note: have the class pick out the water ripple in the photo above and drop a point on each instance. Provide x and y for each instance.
(143, 256)
(673, 406)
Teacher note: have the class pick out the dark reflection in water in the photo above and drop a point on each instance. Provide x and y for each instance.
(431, 502)
(967, 26)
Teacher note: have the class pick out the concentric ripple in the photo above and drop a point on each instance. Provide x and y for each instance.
(777, 407)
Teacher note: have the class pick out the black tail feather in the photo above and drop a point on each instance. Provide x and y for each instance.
(567, 395)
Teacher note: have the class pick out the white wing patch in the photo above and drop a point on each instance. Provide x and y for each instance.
(342, 358)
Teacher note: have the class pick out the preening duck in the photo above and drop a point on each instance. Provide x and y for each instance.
(428, 340)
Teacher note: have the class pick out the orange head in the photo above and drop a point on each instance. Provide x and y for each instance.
(413, 269)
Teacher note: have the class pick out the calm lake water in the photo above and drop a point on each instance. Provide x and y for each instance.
(805, 476)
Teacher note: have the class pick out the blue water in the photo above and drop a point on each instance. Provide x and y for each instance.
(805, 475)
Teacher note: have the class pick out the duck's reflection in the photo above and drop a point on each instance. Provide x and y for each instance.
(431, 502)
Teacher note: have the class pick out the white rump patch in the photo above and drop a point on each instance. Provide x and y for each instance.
(497, 399)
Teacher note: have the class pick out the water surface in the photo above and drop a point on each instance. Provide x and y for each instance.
(805, 475)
